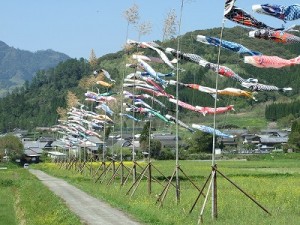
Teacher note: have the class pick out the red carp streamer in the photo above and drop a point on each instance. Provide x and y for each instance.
(264, 61)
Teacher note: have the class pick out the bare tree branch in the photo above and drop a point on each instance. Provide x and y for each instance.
(144, 28)
(169, 29)
(132, 14)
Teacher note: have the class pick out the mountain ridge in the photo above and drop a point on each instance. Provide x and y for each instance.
(18, 66)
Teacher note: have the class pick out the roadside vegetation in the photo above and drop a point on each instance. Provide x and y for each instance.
(273, 180)
(25, 200)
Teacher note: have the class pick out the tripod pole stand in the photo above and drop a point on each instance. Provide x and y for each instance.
(212, 185)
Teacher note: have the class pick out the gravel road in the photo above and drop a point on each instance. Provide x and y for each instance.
(91, 210)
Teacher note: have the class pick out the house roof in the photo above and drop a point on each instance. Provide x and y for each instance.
(31, 153)
(56, 153)
(281, 133)
(93, 148)
(46, 139)
(234, 131)
(33, 144)
(167, 137)
(249, 135)
(60, 144)
(95, 139)
(127, 143)
(33, 147)
(87, 144)
(268, 140)
(111, 141)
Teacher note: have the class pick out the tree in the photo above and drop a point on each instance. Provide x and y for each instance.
(166, 154)
(221, 145)
(200, 142)
(155, 148)
(124, 125)
(155, 145)
(62, 112)
(12, 145)
(144, 138)
(107, 132)
(93, 60)
(72, 100)
(88, 82)
(294, 136)
(286, 121)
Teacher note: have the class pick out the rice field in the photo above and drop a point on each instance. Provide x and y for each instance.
(273, 182)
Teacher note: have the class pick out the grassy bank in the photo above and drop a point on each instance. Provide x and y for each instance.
(273, 182)
(25, 200)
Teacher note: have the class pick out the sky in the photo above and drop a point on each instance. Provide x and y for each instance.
(75, 27)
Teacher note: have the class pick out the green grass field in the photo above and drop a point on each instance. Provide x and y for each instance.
(273, 181)
(25, 200)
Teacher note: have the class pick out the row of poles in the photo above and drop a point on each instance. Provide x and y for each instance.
(138, 172)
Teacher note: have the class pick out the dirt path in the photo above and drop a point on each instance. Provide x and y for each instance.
(89, 209)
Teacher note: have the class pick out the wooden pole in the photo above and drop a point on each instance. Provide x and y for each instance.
(215, 196)
(149, 178)
(240, 189)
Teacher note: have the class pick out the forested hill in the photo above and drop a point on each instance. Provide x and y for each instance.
(35, 104)
(17, 66)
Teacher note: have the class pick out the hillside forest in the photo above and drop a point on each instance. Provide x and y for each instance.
(36, 103)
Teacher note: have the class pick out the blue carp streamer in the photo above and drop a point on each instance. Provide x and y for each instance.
(211, 130)
(235, 47)
(285, 13)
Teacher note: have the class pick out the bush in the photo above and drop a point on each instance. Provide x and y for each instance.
(126, 152)
(45, 158)
(166, 154)
(199, 156)
(6, 183)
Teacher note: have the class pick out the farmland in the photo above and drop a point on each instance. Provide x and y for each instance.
(273, 180)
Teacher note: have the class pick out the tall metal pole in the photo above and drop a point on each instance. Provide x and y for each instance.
(149, 157)
(121, 118)
(214, 178)
(104, 142)
(177, 109)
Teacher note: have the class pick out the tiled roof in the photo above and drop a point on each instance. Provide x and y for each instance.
(31, 153)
